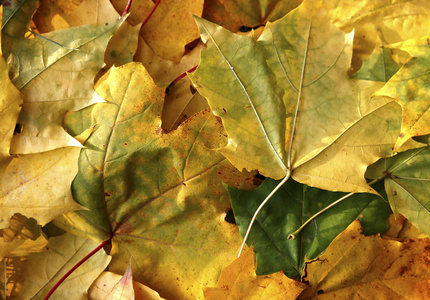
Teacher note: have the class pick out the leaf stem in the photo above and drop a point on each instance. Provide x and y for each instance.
(151, 13)
(104, 243)
(259, 208)
(293, 235)
(183, 75)
(127, 7)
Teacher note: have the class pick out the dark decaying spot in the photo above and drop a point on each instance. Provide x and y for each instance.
(247, 29)
(18, 129)
(320, 292)
(229, 216)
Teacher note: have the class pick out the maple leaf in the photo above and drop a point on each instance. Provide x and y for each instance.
(151, 190)
(181, 103)
(370, 268)
(53, 72)
(291, 206)
(408, 88)
(234, 14)
(288, 104)
(61, 254)
(21, 238)
(113, 286)
(406, 179)
(121, 47)
(26, 184)
(238, 281)
(170, 28)
(378, 23)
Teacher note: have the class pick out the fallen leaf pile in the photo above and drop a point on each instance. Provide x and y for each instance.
(139, 146)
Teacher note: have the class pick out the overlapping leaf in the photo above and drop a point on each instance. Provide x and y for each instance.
(409, 87)
(407, 183)
(159, 194)
(238, 281)
(61, 254)
(26, 183)
(234, 14)
(21, 238)
(355, 266)
(288, 209)
(54, 73)
(379, 22)
(170, 28)
(113, 286)
(288, 104)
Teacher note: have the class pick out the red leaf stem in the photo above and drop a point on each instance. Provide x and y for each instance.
(127, 7)
(75, 267)
(150, 14)
(184, 74)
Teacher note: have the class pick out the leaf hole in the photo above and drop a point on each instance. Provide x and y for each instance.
(229, 216)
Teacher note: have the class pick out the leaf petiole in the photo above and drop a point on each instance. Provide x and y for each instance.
(248, 230)
(89, 255)
(293, 235)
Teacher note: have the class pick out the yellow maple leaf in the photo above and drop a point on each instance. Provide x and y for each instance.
(239, 281)
(359, 267)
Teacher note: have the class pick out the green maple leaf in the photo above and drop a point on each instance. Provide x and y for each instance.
(407, 183)
(291, 206)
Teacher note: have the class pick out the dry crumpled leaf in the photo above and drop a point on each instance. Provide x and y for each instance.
(110, 286)
(359, 267)
(239, 281)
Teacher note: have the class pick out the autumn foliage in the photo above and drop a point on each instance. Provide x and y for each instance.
(300, 128)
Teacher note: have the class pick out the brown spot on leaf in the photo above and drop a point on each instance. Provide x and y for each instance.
(401, 135)
(125, 228)
(160, 131)
(125, 144)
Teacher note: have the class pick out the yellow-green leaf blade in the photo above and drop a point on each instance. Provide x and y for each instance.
(409, 87)
(62, 254)
(407, 183)
(54, 72)
(153, 190)
(287, 98)
(237, 89)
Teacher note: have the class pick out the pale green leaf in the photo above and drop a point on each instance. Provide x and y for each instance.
(54, 73)
(287, 102)
(407, 183)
